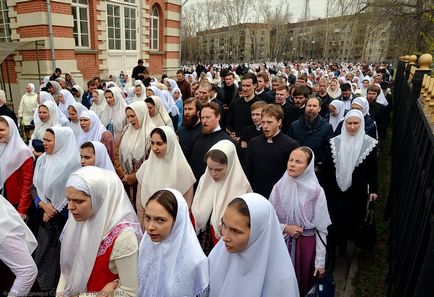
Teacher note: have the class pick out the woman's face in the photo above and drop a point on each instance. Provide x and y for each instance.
(168, 85)
(61, 98)
(73, 116)
(79, 204)
(333, 85)
(28, 89)
(49, 142)
(151, 109)
(333, 111)
(235, 230)
(87, 157)
(158, 221)
(297, 163)
(95, 97)
(138, 91)
(4, 132)
(176, 94)
(216, 170)
(44, 114)
(85, 124)
(149, 92)
(67, 77)
(356, 106)
(158, 146)
(132, 118)
(110, 99)
(352, 125)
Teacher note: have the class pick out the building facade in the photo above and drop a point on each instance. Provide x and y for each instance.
(85, 38)
(348, 38)
(235, 44)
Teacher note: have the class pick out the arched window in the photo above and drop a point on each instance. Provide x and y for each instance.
(155, 28)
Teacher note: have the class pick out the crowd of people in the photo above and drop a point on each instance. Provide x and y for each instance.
(224, 176)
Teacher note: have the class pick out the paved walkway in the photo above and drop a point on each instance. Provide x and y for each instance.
(345, 271)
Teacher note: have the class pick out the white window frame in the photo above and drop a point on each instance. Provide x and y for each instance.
(155, 31)
(5, 25)
(132, 41)
(76, 5)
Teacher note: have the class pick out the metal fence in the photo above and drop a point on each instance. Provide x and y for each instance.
(411, 201)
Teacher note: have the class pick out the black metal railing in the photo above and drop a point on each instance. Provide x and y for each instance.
(411, 201)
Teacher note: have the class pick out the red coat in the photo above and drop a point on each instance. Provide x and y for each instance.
(18, 186)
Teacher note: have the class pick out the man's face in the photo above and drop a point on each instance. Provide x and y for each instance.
(274, 86)
(346, 94)
(312, 108)
(299, 101)
(281, 96)
(301, 82)
(204, 94)
(190, 116)
(229, 79)
(270, 126)
(256, 116)
(209, 120)
(322, 88)
(372, 96)
(179, 77)
(248, 87)
(92, 88)
(261, 84)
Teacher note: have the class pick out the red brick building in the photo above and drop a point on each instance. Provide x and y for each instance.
(85, 38)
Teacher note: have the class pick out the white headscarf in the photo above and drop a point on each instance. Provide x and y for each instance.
(340, 109)
(52, 170)
(117, 112)
(381, 98)
(53, 120)
(170, 171)
(143, 96)
(68, 99)
(168, 102)
(162, 118)
(177, 265)
(363, 103)
(11, 220)
(173, 85)
(96, 129)
(13, 153)
(301, 200)
(136, 142)
(350, 150)
(76, 126)
(81, 240)
(334, 94)
(211, 198)
(101, 108)
(264, 268)
(80, 90)
(102, 159)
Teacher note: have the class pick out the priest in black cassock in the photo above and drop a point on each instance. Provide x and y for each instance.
(211, 134)
(267, 155)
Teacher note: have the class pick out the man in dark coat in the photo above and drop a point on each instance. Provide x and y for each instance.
(211, 134)
(313, 131)
(191, 127)
(378, 112)
(138, 70)
(183, 85)
(267, 155)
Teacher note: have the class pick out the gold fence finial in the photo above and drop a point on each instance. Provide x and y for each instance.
(413, 59)
(425, 62)
(406, 58)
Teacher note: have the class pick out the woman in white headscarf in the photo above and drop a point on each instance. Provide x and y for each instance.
(65, 100)
(52, 170)
(223, 180)
(336, 115)
(353, 178)
(171, 263)
(74, 111)
(100, 239)
(17, 244)
(93, 130)
(381, 97)
(164, 97)
(165, 167)
(139, 91)
(77, 92)
(116, 105)
(177, 98)
(100, 107)
(28, 105)
(334, 90)
(94, 153)
(171, 85)
(48, 116)
(16, 170)
(251, 252)
(133, 146)
(301, 207)
(158, 113)
(360, 103)
(45, 97)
